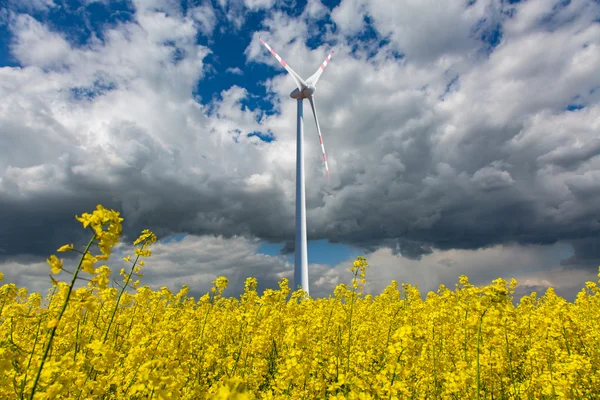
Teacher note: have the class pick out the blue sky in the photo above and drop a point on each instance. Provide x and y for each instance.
(321, 252)
(461, 137)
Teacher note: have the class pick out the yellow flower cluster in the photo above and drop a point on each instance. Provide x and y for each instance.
(467, 343)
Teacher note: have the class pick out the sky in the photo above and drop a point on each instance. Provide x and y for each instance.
(463, 137)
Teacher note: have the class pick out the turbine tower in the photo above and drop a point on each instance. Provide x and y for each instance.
(305, 90)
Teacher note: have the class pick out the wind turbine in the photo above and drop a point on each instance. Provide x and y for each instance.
(305, 90)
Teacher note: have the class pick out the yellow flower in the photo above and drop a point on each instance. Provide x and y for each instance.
(142, 253)
(87, 264)
(56, 263)
(251, 283)
(102, 278)
(97, 220)
(147, 236)
(52, 323)
(66, 247)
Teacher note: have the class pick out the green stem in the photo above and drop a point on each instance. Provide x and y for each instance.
(465, 342)
(62, 311)
(128, 330)
(239, 353)
(119, 300)
(566, 338)
(337, 361)
(91, 370)
(139, 365)
(350, 321)
(478, 346)
(394, 373)
(512, 379)
(435, 383)
(30, 358)
(76, 341)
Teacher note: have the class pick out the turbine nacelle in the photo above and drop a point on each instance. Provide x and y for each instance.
(305, 93)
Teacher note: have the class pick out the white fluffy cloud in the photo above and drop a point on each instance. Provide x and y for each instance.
(197, 261)
(193, 261)
(534, 267)
(32, 5)
(205, 17)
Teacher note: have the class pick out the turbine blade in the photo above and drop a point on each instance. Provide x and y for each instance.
(299, 81)
(314, 110)
(315, 77)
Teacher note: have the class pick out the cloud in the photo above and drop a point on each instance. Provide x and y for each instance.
(31, 5)
(571, 155)
(436, 137)
(586, 254)
(196, 261)
(534, 268)
(288, 248)
(193, 261)
(37, 45)
(259, 4)
(492, 177)
(205, 17)
(235, 71)
(424, 31)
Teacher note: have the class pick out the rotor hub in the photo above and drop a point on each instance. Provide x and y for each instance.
(305, 93)
(308, 92)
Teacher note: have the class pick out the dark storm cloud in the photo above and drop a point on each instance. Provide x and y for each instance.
(571, 157)
(586, 254)
(288, 248)
(40, 224)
